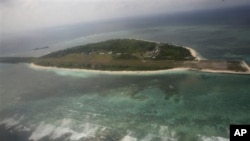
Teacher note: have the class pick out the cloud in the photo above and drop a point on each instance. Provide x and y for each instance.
(30, 14)
(10, 2)
(5, 1)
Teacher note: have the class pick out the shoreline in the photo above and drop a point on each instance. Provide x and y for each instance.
(39, 67)
(244, 64)
(49, 68)
(193, 52)
(224, 72)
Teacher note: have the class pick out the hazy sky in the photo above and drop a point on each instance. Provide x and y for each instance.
(21, 15)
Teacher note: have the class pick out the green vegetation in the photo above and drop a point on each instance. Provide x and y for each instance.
(171, 52)
(128, 49)
(119, 54)
(125, 46)
(125, 57)
(127, 54)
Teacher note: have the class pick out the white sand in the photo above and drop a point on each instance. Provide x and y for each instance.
(38, 67)
(195, 54)
(224, 71)
(245, 65)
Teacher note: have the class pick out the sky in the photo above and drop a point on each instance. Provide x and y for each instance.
(23, 15)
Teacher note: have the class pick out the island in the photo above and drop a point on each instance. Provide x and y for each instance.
(133, 55)
(40, 48)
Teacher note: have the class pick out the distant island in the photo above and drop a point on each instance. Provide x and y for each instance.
(132, 55)
(39, 48)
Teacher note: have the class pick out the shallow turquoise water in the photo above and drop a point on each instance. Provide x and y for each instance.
(183, 105)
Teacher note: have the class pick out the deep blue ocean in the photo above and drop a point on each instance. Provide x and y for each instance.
(60, 105)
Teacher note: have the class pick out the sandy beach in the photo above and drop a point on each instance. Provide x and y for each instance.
(38, 67)
(192, 51)
(195, 54)
(224, 71)
(244, 64)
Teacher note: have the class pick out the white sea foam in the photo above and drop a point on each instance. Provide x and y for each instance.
(41, 131)
(128, 138)
(149, 137)
(66, 122)
(9, 122)
(77, 136)
(168, 139)
(14, 124)
(213, 138)
(73, 73)
(163, 130)
(22, 128)
(61, 127)
(90, 129)
(53, 132)
(60, 131)
(166, 134)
